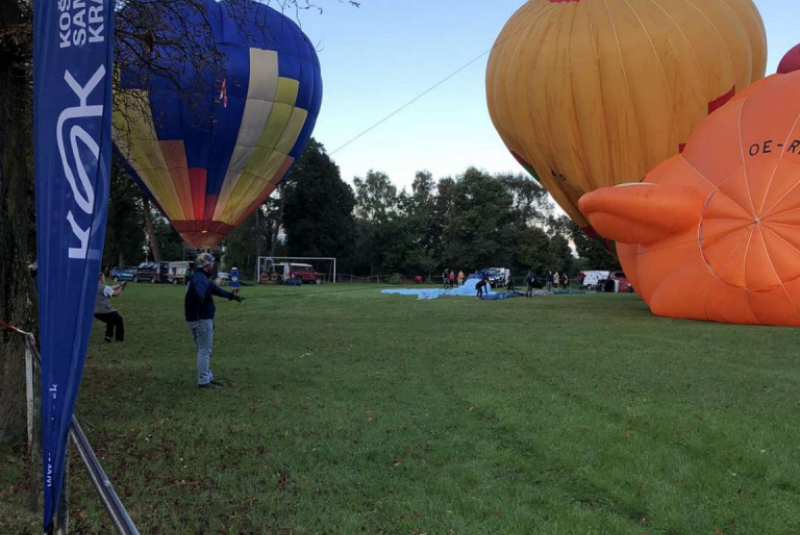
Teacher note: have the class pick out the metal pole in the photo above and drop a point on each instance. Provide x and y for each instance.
(62, 514)
(33, 491)
(119, 516)
(334, 271)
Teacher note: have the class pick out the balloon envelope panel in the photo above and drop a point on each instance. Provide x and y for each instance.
(211, 139)
(587, 94)
(714, 233)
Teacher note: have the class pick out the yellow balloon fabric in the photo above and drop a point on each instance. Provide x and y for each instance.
(594, 93)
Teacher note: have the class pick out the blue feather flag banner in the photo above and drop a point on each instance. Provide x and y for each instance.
(73, 62)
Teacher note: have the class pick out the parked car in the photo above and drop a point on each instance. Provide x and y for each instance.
(306, 273)
(616, 282)
(498, 277)
(123, 273)
(152, 271)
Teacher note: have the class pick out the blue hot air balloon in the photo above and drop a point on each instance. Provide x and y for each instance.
(209, 128)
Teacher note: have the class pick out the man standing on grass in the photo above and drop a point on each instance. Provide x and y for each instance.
(199, 307)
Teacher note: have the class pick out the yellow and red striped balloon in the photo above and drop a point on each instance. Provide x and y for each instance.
(210, 151)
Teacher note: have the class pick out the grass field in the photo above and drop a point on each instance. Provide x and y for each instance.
(352, 413)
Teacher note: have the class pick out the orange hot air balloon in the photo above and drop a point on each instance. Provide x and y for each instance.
(714, 233)
(589, 93)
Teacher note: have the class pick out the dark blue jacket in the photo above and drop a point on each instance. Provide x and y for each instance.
(198, 301)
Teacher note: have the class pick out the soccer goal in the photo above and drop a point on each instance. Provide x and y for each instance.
(277, 269)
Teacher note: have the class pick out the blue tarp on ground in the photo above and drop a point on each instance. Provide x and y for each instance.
(497, 296)
(466, 290)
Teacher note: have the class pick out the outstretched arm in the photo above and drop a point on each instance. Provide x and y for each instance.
(216, 290)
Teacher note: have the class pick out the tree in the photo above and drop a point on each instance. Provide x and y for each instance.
(273, 212)
(594, 252)
(531, 200)
(376, 204)
(318, 212)
(171, 245)
(124, 236)
(17, 292)
(480, 230)
(149, 219)
(376, 197)
(419, 209)
(560, 255)
(533, 251)
(243, 244)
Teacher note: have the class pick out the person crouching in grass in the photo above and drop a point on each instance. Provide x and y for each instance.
(106, 313)
(481, 287)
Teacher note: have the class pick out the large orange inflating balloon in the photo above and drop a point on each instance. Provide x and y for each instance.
(714, 233)
(593, 93)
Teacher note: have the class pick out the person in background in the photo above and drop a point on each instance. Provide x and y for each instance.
(200, 310)
(115, 326)
(235, 282)
(481, 286)
(461, 278)
(510, 284)
(445, 277)
(565, 280)
(452, 278)
(530, 279)
(556, 280)
(549, 281)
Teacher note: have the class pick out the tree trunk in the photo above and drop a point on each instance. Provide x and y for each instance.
(278, 219)
(151, 233)
(258, 232)
(17, 293)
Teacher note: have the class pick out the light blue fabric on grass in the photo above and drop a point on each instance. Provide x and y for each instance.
(466, 290)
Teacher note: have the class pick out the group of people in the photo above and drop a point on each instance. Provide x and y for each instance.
(199, 311)
(553, 280)
(556, 281)
(449, 278)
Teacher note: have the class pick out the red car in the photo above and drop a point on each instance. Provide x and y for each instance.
(616, 282)
(306, 274)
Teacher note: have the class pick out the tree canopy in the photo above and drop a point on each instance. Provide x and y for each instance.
(318, 209)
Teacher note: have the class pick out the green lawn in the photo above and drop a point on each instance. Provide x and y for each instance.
(351, 412)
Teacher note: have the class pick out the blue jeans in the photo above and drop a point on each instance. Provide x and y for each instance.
(203, 333)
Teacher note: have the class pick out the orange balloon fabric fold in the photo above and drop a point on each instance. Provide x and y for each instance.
(714, 233)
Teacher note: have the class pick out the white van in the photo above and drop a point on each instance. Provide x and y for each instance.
(179, 271)
(591, 278)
